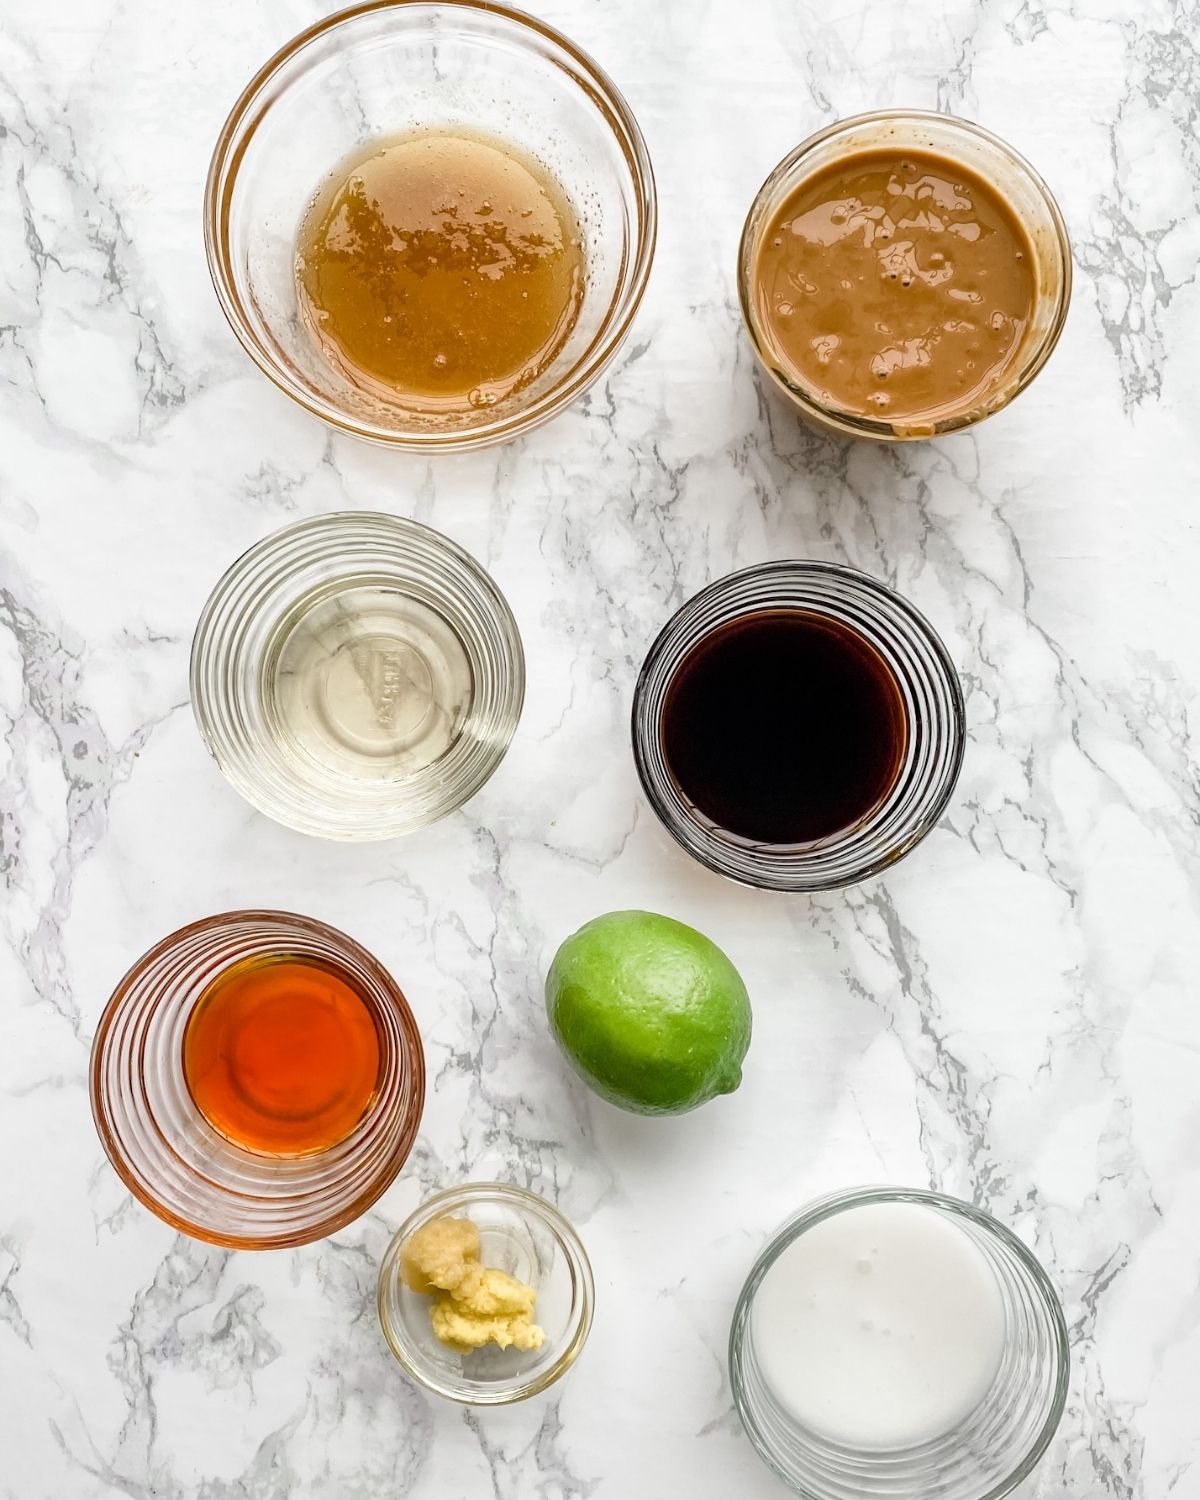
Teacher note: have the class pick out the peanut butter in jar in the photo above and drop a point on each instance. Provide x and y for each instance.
(903, 276)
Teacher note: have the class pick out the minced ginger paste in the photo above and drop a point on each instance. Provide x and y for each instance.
(475, 1304)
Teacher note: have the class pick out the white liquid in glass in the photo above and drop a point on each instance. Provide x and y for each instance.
(880, 1327)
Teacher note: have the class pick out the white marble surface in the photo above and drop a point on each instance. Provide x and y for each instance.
(1011, 1015)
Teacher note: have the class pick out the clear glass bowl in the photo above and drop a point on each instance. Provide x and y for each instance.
(357, 676)
(933, 708)
(400, 66)
(524, 1235)
(990, 159)
(169, 1156)
(991, 1450)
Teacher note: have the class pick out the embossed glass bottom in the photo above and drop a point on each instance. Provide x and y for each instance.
(369, 682)
(357, 675)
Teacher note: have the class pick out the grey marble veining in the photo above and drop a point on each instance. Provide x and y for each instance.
(1010, 1015)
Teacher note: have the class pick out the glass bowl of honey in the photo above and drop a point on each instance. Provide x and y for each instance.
(257, 1080)
(798, 726)
(903, 275)
(357, 675)
(430, 222)
(486, 1294)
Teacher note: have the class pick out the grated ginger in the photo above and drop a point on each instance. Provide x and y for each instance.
(475, 1304)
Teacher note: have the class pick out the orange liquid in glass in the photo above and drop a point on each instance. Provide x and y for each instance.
(282, 1055)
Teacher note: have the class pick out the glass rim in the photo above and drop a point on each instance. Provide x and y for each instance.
(577, 1260)
(828, 1206)
(116, 1150)
(212, 646)
(250, 109)
(795, 868)
(832, 417)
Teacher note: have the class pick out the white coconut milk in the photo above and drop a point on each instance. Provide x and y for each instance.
(882, 1326)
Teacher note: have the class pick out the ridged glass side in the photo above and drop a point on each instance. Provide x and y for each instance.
(169, 1155)
(986, 1454)
(357, 676)
(933, 707)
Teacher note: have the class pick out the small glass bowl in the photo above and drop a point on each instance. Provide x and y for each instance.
(397, 67)
(357, 676)
(169, 1156)
(933, 708)
(995, 1446)
(991, 159)
(524, 1235)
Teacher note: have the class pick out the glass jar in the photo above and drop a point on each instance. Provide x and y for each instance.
(167, 1153)
(520, 1233)
(932, 705)
(985, 1454)
(357, 676)
(394, 68)
(999, 166)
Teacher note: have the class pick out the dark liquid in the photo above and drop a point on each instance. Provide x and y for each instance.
(784, 727)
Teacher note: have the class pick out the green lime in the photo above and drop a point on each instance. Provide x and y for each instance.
(649, 1012)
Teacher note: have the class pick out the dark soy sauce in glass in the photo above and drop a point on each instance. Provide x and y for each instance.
(784, 727)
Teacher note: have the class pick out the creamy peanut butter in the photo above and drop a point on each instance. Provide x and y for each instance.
(895, 285)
